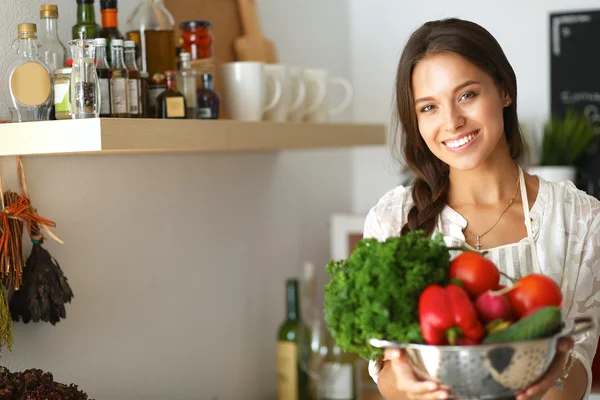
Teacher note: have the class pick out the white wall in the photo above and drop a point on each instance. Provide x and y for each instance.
(178, 261)
(378, 31)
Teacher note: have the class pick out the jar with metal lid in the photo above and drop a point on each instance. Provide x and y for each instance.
(62, 87)
(197, 39)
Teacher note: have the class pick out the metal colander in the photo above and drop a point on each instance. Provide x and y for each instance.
(490, 371)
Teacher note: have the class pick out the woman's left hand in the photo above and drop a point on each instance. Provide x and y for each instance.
(555, 371)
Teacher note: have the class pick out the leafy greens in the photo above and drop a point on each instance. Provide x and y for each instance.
(375, 292)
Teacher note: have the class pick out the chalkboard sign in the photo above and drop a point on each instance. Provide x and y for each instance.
(575, 78)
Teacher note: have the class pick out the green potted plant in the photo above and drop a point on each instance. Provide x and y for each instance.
(564, 141)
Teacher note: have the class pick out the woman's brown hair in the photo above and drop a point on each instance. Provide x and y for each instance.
(478, 46)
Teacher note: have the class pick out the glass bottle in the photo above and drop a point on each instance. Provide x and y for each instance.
(144, 95)
(135, 89)
(152, 27)
(110, 30)
(86, 20)
(186, 83)
(157, 85)
(52, 51)
(119, 82)
(103, 71)
(294, 382)
(197, 39)
(84, 80)
(29, 80)
(171, 103)
(208, 99)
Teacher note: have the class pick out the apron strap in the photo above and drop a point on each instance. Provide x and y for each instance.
(525, 201)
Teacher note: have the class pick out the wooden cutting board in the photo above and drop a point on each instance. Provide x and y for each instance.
(253, 46)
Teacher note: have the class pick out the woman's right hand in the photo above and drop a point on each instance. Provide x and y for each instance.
(396, 380)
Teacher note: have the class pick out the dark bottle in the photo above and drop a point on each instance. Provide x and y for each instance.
(103, 71)
(171, 103)
(207, 105)
(135, 89)
(144, 95)
(109, 30)
(294, 382)
(86, 20)
(156, 86)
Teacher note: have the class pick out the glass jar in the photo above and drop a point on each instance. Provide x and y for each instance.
(197, 39)
(62, 93)
(84, 79)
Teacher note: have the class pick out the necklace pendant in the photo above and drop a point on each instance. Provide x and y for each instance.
(478, 244)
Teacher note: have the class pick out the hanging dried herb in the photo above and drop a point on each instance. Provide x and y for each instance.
(45, 289)
(6, 333)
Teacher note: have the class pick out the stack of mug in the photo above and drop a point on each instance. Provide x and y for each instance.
(255, 91)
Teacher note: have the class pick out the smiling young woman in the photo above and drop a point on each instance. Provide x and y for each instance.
(456, 96)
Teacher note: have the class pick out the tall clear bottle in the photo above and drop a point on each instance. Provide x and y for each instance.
(186, 83)
(152, 27)
(52, 51)
(119, 82)
(103, 71)
(30, 95)
(84, 79)
(135, 87)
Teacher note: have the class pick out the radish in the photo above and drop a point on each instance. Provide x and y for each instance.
(492, 306)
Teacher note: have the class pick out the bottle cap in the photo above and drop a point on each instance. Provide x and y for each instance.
(116, 42)
(185, 56)
(27, 28)
(129, 44)
(48, 11)
(108, 4)
(195, 24)
(170, 74)
(100, 41)
(85, 1)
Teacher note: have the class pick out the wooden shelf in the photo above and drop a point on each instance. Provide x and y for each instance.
(108, 135)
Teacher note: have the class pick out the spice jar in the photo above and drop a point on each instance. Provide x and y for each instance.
(84, 79)
(62, 97)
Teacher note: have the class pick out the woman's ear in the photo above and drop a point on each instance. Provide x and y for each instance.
(505, 98)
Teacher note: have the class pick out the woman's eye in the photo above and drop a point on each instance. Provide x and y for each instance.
(428, 107)
(467, 95)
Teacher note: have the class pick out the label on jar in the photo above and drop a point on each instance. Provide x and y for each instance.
(175, 107)
(104, 96)
(134, 96)
(119, 89)
(62, 102)
(204, 113)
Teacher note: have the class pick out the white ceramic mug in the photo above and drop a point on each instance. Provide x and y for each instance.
(298, 110)
(245, 90)
(293, 92)
(318, 85)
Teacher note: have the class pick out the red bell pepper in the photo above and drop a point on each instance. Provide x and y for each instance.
(447, 316)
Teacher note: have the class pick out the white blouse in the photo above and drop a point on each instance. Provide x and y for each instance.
(565, 225)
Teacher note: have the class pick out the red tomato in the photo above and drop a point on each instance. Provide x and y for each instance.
(533, 291)
(477, 273)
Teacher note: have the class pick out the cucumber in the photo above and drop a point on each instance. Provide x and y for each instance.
(541, 324)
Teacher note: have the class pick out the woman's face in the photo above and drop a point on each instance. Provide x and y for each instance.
(459, 110)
